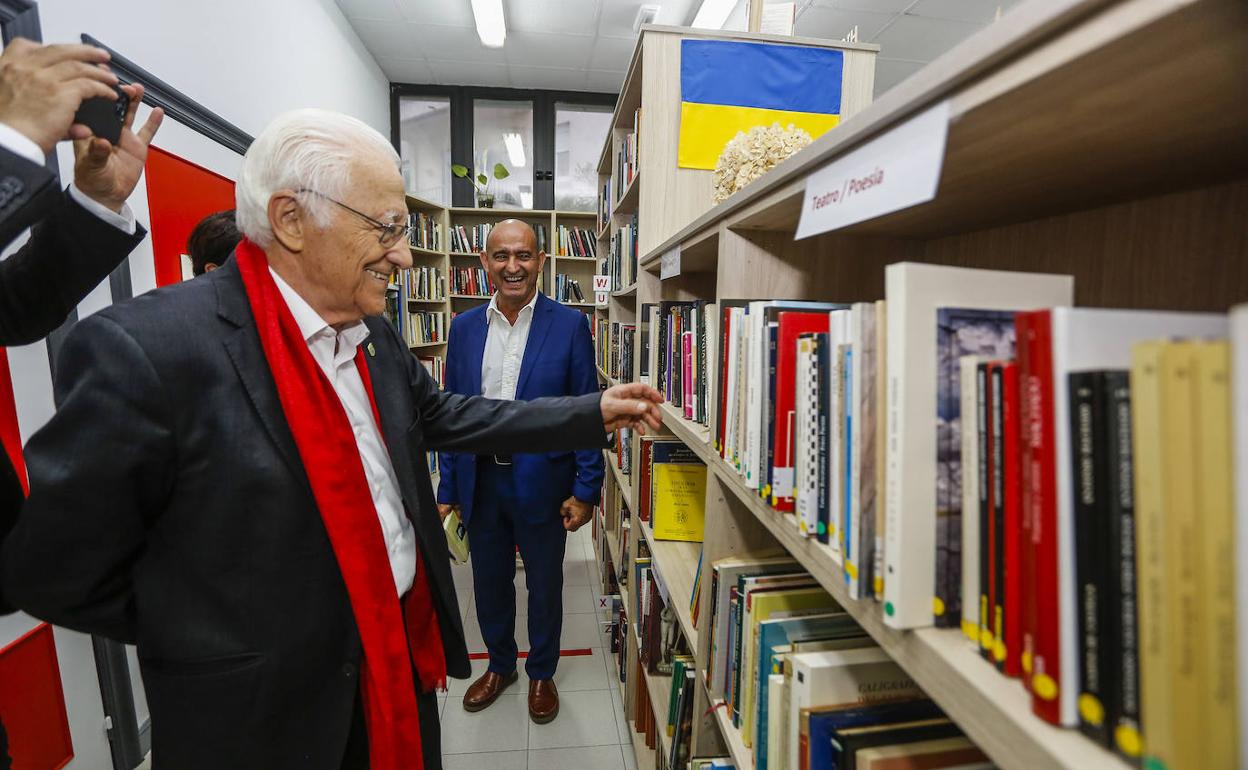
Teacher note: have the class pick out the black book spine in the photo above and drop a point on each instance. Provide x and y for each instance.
(1122, 672)
(661, 375)
(985, 513)
(823, 362)
(1087, 459)
(998, 513)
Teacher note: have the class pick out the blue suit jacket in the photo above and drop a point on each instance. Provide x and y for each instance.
(558, 361)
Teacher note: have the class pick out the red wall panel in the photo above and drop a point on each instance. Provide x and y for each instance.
(179, 194)
(32, 703)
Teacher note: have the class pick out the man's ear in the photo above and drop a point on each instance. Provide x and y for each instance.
(210, 266)
(286, 218)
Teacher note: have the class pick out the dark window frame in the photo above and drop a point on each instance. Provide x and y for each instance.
(462, 98)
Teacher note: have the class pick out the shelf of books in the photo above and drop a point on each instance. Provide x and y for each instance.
(965, 465)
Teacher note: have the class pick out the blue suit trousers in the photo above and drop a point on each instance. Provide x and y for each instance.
(497, 527)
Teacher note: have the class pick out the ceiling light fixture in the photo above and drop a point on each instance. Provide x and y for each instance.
(491, 26)
(713, 14)
(515, 150)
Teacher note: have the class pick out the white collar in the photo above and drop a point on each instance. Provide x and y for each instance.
(492, 308)
(310, 322)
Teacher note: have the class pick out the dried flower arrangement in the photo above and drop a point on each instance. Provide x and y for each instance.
(747, 156)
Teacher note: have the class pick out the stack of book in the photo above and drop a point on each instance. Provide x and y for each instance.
(671, 492)
(622, 446)
(622, 261)
(424, 283)
(973, 452)
(436, 366)
(469, 240)
(473, 281)
(682, 341)
(568, 289)
(626, 158)
(804, 685)
(425, 327)
(426, 231)
(621, 360)
(604, 206)
(574, 242)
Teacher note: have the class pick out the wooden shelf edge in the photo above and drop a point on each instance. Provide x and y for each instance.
(678, 570)
(627, 203)
(993, 710)
(657, 686)
(625, 483)
(425, 251)
(696, 436)
(423, 345)
(627, 291)
(741, 755)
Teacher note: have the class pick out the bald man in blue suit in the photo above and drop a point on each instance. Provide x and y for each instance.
(523, 345)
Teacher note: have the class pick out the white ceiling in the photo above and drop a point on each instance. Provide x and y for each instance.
(585, 45)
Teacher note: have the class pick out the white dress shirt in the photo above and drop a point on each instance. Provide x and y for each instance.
(19, 144)
(504, 349)
(334, 352)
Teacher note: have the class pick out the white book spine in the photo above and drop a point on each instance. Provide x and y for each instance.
(756, 331)
(807, 502)
(838, 321)
(914, 292)
(970, 496)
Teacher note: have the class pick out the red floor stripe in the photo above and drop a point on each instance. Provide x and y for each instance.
(525, 654)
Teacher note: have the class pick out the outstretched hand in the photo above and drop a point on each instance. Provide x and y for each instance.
(631, 406)
(575, 513)
(106, 173)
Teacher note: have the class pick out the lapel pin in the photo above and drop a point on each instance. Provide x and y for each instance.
(372, 351)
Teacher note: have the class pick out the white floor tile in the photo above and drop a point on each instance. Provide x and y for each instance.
(622, 726)
(581, 672)
(579, 758)
(580, 631)
(575, 573)
(495, 760)
(584, 720)
(501, 727)
(630, 756)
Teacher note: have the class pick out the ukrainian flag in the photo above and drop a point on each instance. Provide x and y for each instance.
(729, 86)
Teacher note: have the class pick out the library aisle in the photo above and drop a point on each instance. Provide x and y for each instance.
(590, 730)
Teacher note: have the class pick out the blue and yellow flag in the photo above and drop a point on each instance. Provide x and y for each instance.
(728, 86)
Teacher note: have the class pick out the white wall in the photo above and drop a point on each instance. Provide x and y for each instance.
(247, 61)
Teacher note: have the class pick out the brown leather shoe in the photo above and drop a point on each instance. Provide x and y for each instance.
(486, 690)
(543, 701)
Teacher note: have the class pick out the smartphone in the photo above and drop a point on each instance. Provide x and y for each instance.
(104, 117)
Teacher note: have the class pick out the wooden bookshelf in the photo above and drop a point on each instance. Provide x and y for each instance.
(678, 563)
(1057, 160)
(740, 753)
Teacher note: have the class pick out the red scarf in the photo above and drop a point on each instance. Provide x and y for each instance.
(331, 459)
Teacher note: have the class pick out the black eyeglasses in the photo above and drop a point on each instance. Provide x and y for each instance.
(390, 233)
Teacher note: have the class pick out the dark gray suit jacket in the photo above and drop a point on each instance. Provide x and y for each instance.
(69, 252)
(169, 508)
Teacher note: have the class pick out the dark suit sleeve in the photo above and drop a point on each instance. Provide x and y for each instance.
(28, 191)
(583, 377)
(479, 425)
(98, 471)
(446, 460)
(69, 252)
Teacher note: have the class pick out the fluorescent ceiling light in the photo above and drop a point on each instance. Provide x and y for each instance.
(515, 150)
(491, 27)
(712, 14)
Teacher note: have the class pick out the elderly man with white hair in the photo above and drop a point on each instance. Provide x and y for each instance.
(235, 479)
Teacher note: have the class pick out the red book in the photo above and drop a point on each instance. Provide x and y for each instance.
(1012, 459)
(643, 481)
(1028, 393)
(725, 334)
(1046, 662)
(791, 324)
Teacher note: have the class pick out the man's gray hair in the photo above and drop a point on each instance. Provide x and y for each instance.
(309, 149)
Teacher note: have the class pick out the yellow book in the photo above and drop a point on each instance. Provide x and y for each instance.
(1181, 584)
(679, 502)
(1150, 554)
(1215, 527)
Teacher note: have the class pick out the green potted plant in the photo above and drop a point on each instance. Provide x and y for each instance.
(485, 198)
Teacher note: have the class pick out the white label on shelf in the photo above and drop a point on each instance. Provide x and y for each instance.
(891, 172)
(669, 267)
(600, 298)
(602, 283)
